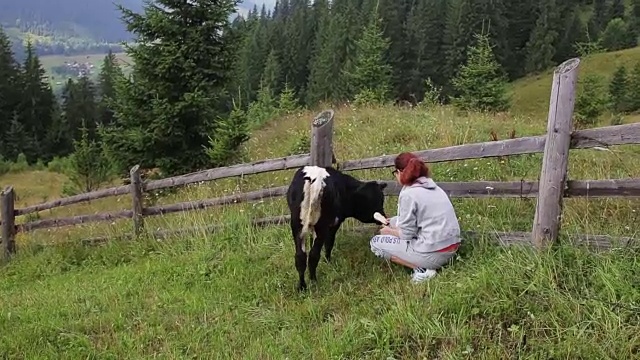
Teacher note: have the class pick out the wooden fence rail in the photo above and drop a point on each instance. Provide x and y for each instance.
(582, 139)
(473, 189)
(549, 191)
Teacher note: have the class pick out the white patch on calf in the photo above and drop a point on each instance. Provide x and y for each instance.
(310, 208)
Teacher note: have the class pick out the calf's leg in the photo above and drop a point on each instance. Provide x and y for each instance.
(314, 254)
(301, 255)
(331, 239)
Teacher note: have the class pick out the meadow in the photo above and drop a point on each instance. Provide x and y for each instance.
(49, 62)
(232, 294)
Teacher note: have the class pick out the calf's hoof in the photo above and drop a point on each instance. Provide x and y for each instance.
(302, 287)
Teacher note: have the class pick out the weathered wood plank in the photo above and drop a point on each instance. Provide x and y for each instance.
(136, 199)
(471, 189)
(322, 139)
(581, 139)
(283, 163)
(606, 136)
(528, 145)
(75, 199)
(224, 200)
(287, 162)
(589, 138)
(74, 220)
(625, 188)
(478, 189)
(555, 161)
(8, 229)
(614, 188)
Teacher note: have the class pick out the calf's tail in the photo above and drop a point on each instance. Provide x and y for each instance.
(310, 210)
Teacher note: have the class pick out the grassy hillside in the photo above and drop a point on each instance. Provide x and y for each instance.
(231, 294)
(531, 94)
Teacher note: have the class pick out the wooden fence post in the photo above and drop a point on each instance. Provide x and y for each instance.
(322, 139)
(7, 212)
(136, 199)
(553, 177)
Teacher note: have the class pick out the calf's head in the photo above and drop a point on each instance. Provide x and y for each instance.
(368, 199)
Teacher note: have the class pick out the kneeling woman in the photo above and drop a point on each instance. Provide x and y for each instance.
(425, 234)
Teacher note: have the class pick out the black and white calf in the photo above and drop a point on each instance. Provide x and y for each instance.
(319, 200)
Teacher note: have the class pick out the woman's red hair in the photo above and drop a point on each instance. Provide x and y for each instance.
(412, 168)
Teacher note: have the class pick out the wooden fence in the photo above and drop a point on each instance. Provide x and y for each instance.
(550, 190)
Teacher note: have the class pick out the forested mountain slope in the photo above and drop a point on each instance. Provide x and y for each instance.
(73, 26)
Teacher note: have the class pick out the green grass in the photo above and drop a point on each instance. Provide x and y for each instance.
(232, 294)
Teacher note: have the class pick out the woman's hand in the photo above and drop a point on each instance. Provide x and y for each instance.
(387, 230)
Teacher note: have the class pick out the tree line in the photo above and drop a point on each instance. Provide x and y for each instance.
(318, 49)
(199, 84)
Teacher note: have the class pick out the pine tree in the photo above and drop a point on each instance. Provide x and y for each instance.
(287, 101)
(467, 18)
(298, 46)
(272, 72)
(479, 83)
(17, 140)
(618, 90)
(426, 26)
(182, 64)
(574, 32)
(599, 18)
(519, 28)
(634, 87)
(371, 72)
(232, 132)
(263, 109)
(591, 100)
(9, 77)
(325, 81)
(541, 46)
(109, 74)
(59, 137)
(393, 23)
(36, 107)
(617, 10)
(634, 21)
(615, 36)
(89, 166)
(80, 108)
(9, 89)
(253, 53)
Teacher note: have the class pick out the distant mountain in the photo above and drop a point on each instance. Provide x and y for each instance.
(74, 26)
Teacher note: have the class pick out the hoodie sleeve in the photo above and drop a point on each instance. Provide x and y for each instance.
(407, 217)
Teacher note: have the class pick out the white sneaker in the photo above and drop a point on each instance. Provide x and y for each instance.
(420, 275)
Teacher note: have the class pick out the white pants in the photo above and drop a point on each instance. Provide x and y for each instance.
(386, 246)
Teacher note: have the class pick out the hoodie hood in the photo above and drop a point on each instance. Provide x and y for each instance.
(424, 182)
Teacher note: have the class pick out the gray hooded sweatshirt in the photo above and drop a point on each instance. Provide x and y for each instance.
(426, 216)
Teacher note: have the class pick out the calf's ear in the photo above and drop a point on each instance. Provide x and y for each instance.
(372, 184)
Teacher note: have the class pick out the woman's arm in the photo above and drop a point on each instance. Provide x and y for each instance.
(407, 226)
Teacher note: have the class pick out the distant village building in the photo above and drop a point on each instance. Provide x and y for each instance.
(75, 69)
(80, 69)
